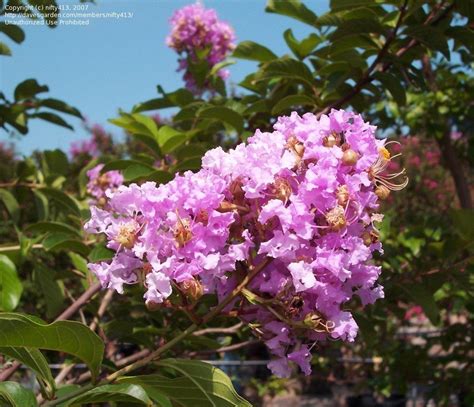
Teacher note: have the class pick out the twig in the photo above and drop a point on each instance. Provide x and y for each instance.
(230, 330)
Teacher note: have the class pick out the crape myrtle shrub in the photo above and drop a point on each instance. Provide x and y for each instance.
(255, 213)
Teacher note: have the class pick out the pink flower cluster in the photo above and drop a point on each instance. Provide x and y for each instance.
(81, 148)
(197, 33)
(102, 185)
(301, 201)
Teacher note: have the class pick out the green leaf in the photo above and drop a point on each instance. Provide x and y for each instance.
(224, 114)
(5, 50)
(294, 9)
(125, 393)
(53, 294)
(344, 5)
(463, 220)
(100, 253)
(422, 297)
(302, 48)
(14, 395)
(64, 201)
(289, 69)
(136, 171)
(35, 360)
(53, 118)
(13, 31)
(10, 285)
(56, 162)
(394, 86)
(254, 52)
(61, 106)
(430, 37)
(292, 100)
(59, 241)
(50, 227)
(196, 384)
(152, 104)
(19, 330)
(169, 139)
(193, 163)
(11, 204)
(28, 89)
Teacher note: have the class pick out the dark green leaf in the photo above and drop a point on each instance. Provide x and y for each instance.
(28, 89)
(61, 106)
(289, 69)
(19, 330)
(224, 114)
(100, 253)
(292, 100)
(35, 360)
(430, 37)
(56, 227)
(64, 201)
(56, 162)
(53, 294)
(13, 31)
(394, 86)
(422, 297)
(53, 118)
(11, 204)
(125, 393)
(60, 241)
(196, 384)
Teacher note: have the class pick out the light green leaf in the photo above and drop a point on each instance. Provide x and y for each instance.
(61, 241)
(19, 330)
(14, 395)
(254, 52)
(196, 384)
(169, 139)
(10, 285)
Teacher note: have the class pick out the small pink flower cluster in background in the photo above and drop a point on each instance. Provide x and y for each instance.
(99, 142)
(101, 185)
(198, 30)
(82, 148)
(302, 201)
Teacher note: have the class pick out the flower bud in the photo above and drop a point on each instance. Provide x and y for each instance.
(349, 157)
(236, 190)
(283, 189)
(382, 192)
(202, 216)
(312, 320)
(153, 306)
(192, 289)
(330, 141)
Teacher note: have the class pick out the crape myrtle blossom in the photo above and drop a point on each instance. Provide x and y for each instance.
(198, 34)
(303, 200)
(100, 185)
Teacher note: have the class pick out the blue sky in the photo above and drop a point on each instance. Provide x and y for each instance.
(112, 64)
